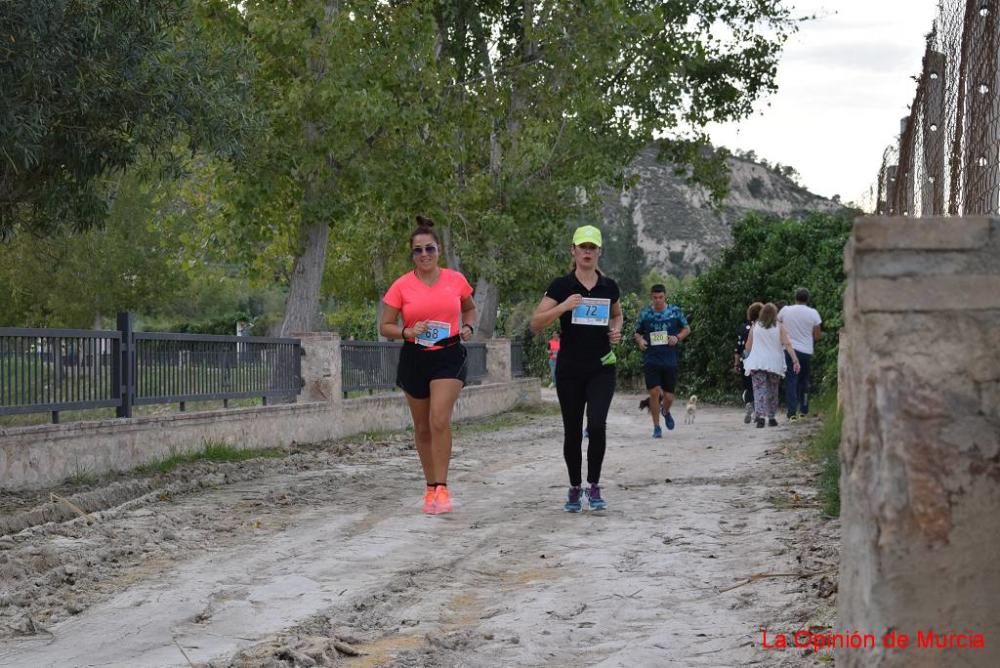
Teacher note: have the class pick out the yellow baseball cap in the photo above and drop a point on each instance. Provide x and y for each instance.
(587, 234)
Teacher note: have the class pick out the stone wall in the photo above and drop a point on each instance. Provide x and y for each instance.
(48, 454)
(920, 453)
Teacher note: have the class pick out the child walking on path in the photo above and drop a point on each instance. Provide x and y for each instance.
(765, 363)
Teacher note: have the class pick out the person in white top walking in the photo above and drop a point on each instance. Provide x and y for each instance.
(802, 323)
(765, 363)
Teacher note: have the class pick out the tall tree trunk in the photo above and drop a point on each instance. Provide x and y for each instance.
(518, 103)
(378, 272)
(487, 299)
(451, 255)
(487, 292)
(302, 305)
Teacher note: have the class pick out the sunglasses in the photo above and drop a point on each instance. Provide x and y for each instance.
(420, 250)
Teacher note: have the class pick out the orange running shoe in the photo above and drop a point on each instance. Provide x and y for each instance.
(429, 499)
(442, 500)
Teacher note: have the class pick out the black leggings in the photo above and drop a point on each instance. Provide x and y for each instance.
(576, 392)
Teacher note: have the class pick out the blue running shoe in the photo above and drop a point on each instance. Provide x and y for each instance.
(573, 504)
(594, 498)
(669, 420)
(657, 432)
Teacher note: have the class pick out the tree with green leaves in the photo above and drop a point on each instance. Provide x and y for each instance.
(347, 91)
(89, 86)
(71, 279)
(493, 117)
(564, 94)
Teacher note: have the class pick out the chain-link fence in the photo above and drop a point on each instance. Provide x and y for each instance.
(947, 161)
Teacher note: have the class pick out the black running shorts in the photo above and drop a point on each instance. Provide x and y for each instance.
(419, 366)
(660, 376)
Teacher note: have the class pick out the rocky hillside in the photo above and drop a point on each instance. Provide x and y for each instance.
(667, 225)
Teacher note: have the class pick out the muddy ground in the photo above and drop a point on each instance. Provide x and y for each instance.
(323, 557)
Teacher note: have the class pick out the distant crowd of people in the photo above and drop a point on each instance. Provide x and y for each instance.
(774, 346)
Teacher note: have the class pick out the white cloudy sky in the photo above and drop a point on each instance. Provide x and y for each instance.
(844, 83)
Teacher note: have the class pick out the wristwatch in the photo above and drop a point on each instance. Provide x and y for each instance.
(472, 330)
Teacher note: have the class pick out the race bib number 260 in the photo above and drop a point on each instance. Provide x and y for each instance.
(592, 312)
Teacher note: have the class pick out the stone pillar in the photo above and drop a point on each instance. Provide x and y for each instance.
(920, 452)
(498, 361)
(320, 366)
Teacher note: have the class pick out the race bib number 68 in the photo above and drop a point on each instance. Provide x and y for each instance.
(435, 331)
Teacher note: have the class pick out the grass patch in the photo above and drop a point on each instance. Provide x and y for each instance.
(825, 450)
(82, 479)
(213, 452)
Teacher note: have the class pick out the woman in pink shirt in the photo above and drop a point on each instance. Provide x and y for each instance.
(553, 356)
(437, 313)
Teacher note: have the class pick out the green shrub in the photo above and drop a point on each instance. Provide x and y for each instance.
(356, 322)
(768, 260)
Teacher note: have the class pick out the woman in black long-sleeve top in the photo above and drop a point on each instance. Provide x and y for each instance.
(587, 304)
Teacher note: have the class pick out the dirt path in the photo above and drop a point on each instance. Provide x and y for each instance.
(309, 559)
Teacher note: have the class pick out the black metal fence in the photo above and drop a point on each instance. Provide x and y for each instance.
(371, 365)
(517, 369)
(475, 363)
(368, 365)
(44, 370)
(174, 368)
(54, 370)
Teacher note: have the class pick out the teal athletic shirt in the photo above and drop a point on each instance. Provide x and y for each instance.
(670, 320)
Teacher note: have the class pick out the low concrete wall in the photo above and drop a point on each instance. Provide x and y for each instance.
(48, 454)
(920, 454)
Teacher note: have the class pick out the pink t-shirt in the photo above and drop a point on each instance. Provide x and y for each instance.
(418, 301)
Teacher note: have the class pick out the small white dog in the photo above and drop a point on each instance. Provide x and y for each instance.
(691, 410)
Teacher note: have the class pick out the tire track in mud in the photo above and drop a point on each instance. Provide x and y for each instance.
(312, 565)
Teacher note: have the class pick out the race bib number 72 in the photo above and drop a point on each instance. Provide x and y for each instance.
(592, 311)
